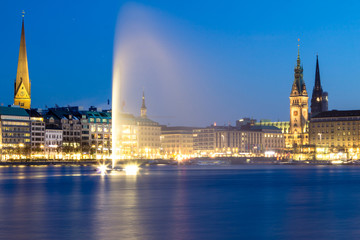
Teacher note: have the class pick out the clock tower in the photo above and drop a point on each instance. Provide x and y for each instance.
(22, 89)
(299, 108)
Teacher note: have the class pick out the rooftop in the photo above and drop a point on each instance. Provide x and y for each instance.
(336, 113)
(13, 111)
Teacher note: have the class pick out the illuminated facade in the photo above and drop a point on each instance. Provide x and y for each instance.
(22, 88)
(37, 131)
(299, 109)
(96, 132)
(148, 135)
(70, 124)
(204, 140)
(129, 135)
(177, 141)
(15, 132)
(336, 132)
(229, 140)
(53, 141)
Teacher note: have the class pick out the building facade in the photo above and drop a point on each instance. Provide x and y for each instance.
(148, 137)
(96, 132)
(177, 141)
(15, 133)
(338, 130)
(68, 121)
(53, 142)
(37, 132)
(231, 140)
(149, 133)
(204, 140)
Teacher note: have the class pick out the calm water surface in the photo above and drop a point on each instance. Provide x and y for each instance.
(169, 202)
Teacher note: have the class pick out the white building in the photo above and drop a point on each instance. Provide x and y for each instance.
(53, 142)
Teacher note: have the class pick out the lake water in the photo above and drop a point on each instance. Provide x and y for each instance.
(170, 202)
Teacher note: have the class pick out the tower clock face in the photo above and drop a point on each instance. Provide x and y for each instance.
(22, 93)
(295, 113)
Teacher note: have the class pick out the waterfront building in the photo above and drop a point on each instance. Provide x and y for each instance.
(53, 141)
(15, 132)
(319, 100)
(248, 140)
(284, 126)
(96, 132)
(204, 140)
(22, 86)
(149, 133)
(244, 121)
(299, 109)
(149, 137)
(271, 139)
(37, 132)
(177, 141)
(71, 126)
(230, 140)
(336, 132)
(258, 139)
(88, 133)
(129, 135)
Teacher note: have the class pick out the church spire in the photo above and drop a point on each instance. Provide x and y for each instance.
(298, 87)
(317, 75)
(22, 88)
(318, 100)
(143, 109)
(298, 57)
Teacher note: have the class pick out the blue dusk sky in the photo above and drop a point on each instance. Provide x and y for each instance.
(199, 62)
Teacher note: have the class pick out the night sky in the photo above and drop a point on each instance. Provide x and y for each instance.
(199, 62)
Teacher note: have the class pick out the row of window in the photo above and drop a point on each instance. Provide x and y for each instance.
(13, 123)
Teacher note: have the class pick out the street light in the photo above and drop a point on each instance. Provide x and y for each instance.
(21, 145)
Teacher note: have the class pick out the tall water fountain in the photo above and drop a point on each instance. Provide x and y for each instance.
(138, 44)
(116, 107)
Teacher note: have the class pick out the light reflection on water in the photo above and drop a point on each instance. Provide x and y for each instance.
(169, 202)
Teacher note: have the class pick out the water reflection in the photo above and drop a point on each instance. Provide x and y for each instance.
(180, 203)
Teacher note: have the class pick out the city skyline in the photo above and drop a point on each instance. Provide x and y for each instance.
(238, 96)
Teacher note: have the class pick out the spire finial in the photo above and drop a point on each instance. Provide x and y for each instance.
(143, 100)
(298, 48)
(143, 106)
(23, 14)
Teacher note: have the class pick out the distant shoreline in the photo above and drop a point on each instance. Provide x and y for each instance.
(196, 161)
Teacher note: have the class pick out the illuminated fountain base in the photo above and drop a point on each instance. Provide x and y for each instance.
(129, 169)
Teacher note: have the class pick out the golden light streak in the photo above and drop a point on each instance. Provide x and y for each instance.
(131, 169)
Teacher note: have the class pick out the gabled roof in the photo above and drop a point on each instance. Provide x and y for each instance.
(60, 114)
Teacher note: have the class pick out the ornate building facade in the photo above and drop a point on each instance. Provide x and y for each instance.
(299, 108)
(22, 88)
